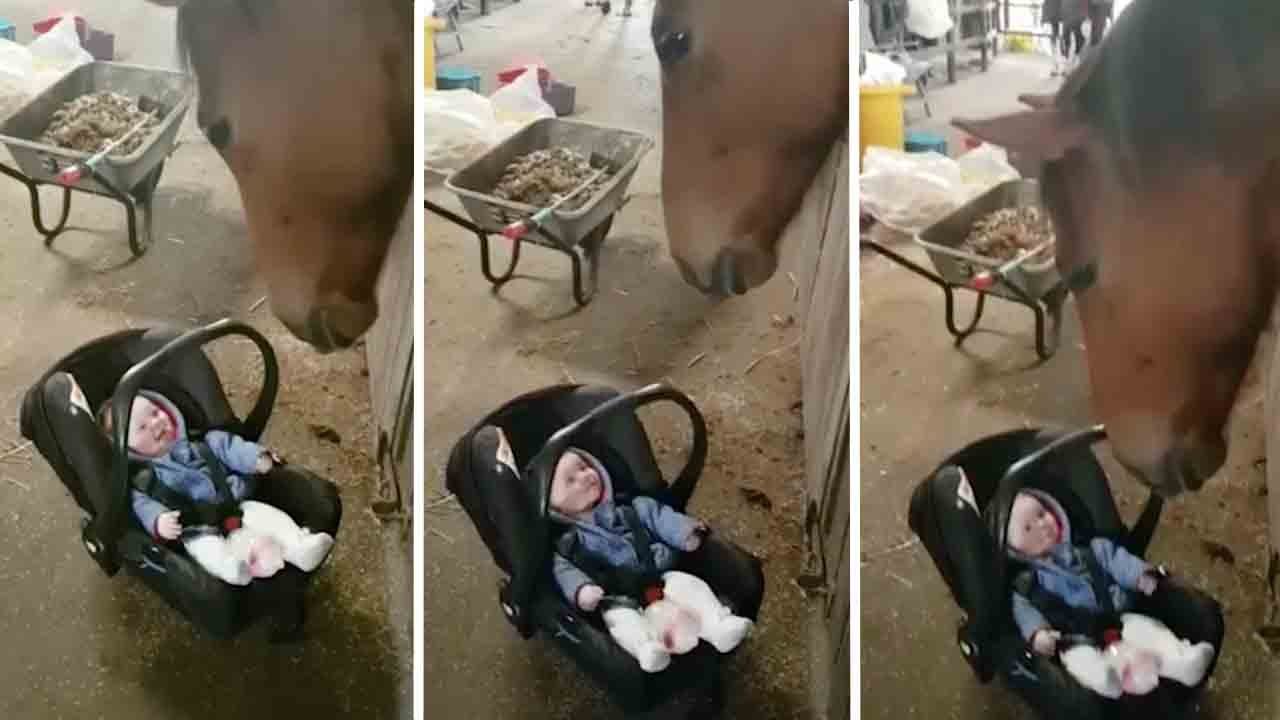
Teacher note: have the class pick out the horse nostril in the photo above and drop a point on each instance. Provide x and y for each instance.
(339, 325)
(692, 278)
(726, 276)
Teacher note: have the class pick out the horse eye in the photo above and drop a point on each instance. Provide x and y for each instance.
(219, 133)
(672, 47)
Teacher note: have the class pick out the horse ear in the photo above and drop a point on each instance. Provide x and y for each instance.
(1046, 133)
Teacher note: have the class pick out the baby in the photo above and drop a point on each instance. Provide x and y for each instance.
(266, 537)
(675, 609)
(1090, 586)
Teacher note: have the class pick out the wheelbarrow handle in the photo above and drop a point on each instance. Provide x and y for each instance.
(984, 280)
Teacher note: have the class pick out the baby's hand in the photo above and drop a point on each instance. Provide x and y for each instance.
(695, 538)
(589, 597)
(167, 525)
(265, 463)
(1045, 642)
(1147, 583)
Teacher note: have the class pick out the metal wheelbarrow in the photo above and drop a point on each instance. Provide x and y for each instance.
(129, 179)
(1028, 280)
(577, 233)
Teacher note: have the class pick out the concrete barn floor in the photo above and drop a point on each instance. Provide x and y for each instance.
(923, 398)
(644, 325)
(81, 645)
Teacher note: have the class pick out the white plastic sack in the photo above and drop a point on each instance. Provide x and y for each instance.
(27, 70)
(910, 191)
(929, 19)
(458, 126)
(984, 167)
(60, 47)
(882, 71)
(520, 103)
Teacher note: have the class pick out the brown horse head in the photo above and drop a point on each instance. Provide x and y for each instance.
(754, 94)
(1159, 171)
(310, 104)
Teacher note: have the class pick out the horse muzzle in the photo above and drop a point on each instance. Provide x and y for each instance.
(1185, 468)
(335, 326)
(733, 272)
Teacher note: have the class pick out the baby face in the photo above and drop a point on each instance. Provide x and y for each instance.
(576, 486)
(1033, 528)
(151, 431)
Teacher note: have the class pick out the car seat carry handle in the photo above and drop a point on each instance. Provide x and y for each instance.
(542, 466)
(109, 525)
(1015, 478)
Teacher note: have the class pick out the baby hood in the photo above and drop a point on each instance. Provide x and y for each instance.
(606, 495)
(165, 404)
(1064, 522)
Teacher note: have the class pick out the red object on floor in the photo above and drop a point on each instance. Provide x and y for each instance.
(45, 25)
(508, 76)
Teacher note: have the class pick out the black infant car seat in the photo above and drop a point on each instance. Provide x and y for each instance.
(510, 513)
(969, 551)
(98, 474)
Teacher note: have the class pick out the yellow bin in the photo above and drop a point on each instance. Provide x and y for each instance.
(880, 118)
(433, 25)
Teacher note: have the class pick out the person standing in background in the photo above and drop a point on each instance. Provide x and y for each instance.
(1100, 15)
(1051, 15)
(1073, 15)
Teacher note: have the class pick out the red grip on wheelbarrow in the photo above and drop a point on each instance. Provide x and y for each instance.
(515, 230)
(71, 175)
(982, 281)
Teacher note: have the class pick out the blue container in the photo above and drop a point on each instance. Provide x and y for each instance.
(457, 78)
(920, 141)
(8, 31)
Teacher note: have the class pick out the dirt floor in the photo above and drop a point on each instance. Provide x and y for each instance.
(82, 645)
(922, 398)
(645, 325)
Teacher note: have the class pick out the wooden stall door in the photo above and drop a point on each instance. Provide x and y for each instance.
(390, 356)
(821, 231)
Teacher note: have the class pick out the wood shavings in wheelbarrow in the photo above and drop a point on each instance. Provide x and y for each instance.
(90, 122)
(542, 177)
(1006, 232)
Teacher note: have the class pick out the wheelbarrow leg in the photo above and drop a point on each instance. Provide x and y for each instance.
(591, 246)
(948, 291)
(962, 333)
(37, 216)
(486, 263)
(1047, 344)
(138, 244)
(583, 294)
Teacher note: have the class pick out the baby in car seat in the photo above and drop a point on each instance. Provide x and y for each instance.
(254, 539)
(1082, 596)
(619, 557)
